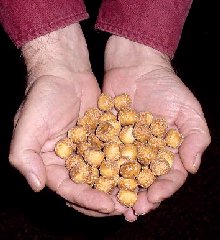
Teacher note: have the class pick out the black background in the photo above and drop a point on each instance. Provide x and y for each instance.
(191, 213)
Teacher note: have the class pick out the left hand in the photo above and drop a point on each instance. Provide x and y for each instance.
(147, 76)
(60, 88)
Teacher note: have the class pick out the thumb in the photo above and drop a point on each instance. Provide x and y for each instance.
(196, 139)
(25, 156)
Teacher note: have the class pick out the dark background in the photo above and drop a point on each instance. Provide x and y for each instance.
(191, 213)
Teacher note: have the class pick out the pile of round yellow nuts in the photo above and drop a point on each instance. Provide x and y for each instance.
(127, 150)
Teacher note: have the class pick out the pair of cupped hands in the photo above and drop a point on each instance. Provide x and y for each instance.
(61, 87)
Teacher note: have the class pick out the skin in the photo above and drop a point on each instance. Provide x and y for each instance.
(61, 87)
(148, 77)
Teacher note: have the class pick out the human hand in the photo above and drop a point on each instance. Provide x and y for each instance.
(148, 77)
(61, 87)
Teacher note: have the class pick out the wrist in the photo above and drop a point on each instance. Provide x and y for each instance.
(56, 53)
(122, 52)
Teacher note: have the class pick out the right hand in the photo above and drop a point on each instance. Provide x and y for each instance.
(148, 77)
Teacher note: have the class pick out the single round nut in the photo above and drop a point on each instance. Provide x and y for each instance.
(139, 144)
(94, 157)
(93, 175)
(93, 113)
(115, 139)
(105, 184)
(105, 131)
(173, 138)
(116, 127)
(82, 147)
(127, 117)
(141, 132)
(129, 151)
(167, 155)
(156, 142)
(126, 135)
(145, 118)
(159, 167)
(64, 148)
(130, 169)
(158, 127)
(105, 102)
(127, 198)
(112, 151)
(127, 183)
(90, 119)
(123, 160)
(95, 142)
(88, 123)
(122, 101)
(72, 161)
(145, 178)
(107, 116)
(77, 134)
(79, 173)
(109, 169)
(146, 154)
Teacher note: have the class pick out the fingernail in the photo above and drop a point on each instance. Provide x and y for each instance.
(34, 182)
(141, 214)
(197, 162)
(155, 205)
(129, 220)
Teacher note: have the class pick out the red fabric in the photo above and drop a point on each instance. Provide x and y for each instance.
(156, 23)
(24, 20)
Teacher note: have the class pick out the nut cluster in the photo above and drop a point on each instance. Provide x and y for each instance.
(128, 150)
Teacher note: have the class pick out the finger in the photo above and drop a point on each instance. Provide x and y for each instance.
(87, 212)
(143, 206)
(88, 100)
(81, 194)
(130, 216)
(30, 165)
(167, 184)
(192, 148)
(24, 156)
(121, 209)
(92, 213)
(25, 147)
